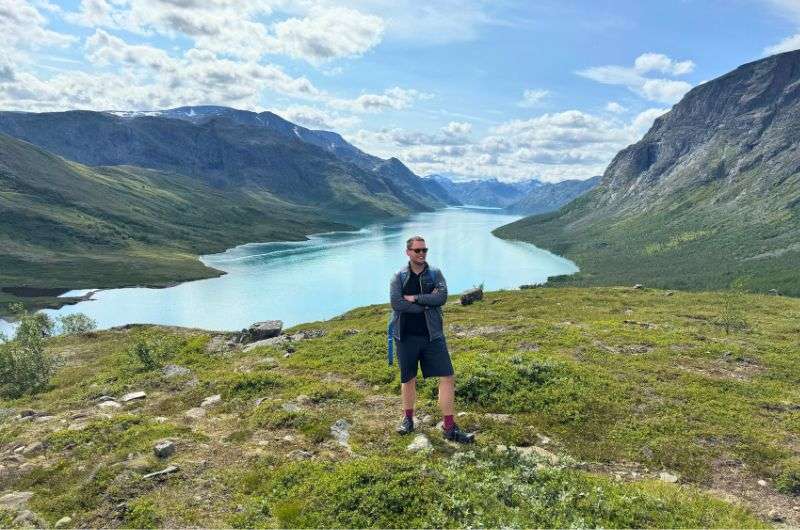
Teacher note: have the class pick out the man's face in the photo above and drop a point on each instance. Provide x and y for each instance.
(417, 253)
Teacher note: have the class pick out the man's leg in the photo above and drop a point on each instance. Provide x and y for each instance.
(409, 392)
(447, 392)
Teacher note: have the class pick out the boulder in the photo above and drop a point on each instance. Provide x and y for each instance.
(299, 454)
(210, 401)
(420, 443)
(64, 522)
(668, 477)
(166, 471)
(164, 448)
(36, 448)
(195, 413)
(471, 295)
(340, 431)
(132, 396)
(107, 405)
(28, 519)
(15, 500)
(173, 370)
(264, 330)
(274, 341)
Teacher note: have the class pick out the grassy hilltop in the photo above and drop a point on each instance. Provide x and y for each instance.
(611, 393)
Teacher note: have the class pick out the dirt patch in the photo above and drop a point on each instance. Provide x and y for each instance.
(626, 349)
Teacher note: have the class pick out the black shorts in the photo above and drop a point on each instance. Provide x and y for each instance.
(432, 356)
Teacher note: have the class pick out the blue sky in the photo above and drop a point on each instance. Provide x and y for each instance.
(504, 89)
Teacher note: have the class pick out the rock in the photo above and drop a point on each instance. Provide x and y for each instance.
(500, 418)
(274, 341)
(220, 343)
(762, 482)
(107, 405)
(132, 396)
(290, 407)
(28, 519)
(103, 398)
(63, 522)
(36, 448)
(667, 477)
(461, 414)
(195, 413)
(531, 451)
(43, 419)
(351, 332)
(76, 426)
(287, 355)
(299, 454)
(340, 431)
(264, 330)
(471, 295)
(27, 413)
(308, 334)
(774, 292)
(166, 471)
(670, 293)
(15, 500)
(638, 286)
(303, 399)
(210, 401)
(288, 438)
(427, 420)
(173, 370)
(543, 439)
(775, 516)
(164, 449)
(420, 443)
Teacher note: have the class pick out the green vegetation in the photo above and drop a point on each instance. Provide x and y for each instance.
(25, 366)
(621, 384)
(693, 244)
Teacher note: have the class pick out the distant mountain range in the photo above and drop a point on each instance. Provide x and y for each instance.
(228, 148)
(524, 197)
(709, 198)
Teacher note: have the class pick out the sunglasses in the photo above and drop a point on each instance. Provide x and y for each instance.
(419, 250)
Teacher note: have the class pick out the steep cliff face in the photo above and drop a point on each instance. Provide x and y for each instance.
(710, 196)
(739, 131)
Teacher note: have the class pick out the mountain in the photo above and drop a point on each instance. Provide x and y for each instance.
(228, 149)
(484, 192)
(709, 198)
(551, 196)
(70, 226)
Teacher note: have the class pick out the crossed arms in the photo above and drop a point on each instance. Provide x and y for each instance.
(436, 298)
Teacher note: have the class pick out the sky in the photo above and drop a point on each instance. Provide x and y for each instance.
(512, 90)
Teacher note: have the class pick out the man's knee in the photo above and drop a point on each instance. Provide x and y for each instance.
(447, 380)
(411, 382)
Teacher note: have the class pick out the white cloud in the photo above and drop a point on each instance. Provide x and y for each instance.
(553, 147)
(327, 34)
(616, 108)
(392, 99)
(531, 97)
(648, 62)
(652, 89)
(315, 118)
(22, 26)
(788, 44)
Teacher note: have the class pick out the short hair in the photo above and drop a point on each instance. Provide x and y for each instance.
(411, 240)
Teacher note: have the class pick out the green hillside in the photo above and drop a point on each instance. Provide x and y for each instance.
(708, 199)
(625, 408)
(65, 225)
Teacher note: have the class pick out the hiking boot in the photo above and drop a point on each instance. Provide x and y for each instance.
(457, 435)
(406, 426)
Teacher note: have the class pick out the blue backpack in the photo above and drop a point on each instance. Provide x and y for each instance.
(429, 272)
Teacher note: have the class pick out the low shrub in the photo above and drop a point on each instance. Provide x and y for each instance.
(76, 324)
(789, 481)
(151, 349)
(25, 366)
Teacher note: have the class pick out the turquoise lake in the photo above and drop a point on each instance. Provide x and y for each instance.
(329, 274)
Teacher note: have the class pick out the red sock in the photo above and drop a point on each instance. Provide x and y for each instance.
(410, 413)
(448, 423)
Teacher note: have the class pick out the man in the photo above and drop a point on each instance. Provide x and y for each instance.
(417, 293)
